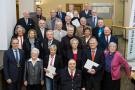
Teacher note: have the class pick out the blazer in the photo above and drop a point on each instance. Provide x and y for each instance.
(11, 71)
(33, 74)
(63, 14)
(27, 47)
(79, 58)
(67, 83)
(31, 24)
(99, 58)
(116, 63)
(91, 23)
(46, 50)
(85, 44)
(58, 63)
(103, 43)
(83, 14)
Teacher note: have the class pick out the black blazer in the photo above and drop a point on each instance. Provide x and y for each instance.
(103, 43)
(85, 44)
(99, 58)
(46, 51)
(67, 83)
(83, 14)
(31, 24)
(11, 71)
(79, 58)
(63, 14)
(27, 47)
(58, 64)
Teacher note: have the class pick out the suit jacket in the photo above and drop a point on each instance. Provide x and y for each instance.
(62, 17)
(67, 83)
(99, 58)
(36, 18)
(84, 43)
(116, 63)
(27, 47)
(51, 23)
(79, 58)
(29, 25)
(58, 63)
(11, 71)
(33, 74)
(95, 32)
(103, 43)
(46, 50)
(83, 14)
(58, 35)
(91, 23)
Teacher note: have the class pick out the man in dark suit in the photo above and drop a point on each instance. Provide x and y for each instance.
(98, 31)
(38, 15)
(70, 78)
(13, 62)
(26, 22)
(93, 76)
(93, 20)
(41, 30)
(49, 41)
(107, 38)
(86, 12)
(60, 14)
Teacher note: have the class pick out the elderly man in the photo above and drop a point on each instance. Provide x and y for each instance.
(26, 22)
(13, 62)
(33, 73)
(70, 78)
(58, 32)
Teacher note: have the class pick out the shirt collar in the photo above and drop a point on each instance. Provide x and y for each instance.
(30, 60)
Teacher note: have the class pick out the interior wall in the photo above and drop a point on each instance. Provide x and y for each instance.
(117, 4)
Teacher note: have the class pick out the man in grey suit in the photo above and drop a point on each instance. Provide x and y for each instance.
(58, 32)
(93, 20)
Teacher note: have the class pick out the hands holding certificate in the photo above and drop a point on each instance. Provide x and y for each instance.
(50, 71)
(91, 71)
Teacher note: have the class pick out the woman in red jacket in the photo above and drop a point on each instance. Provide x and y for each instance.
(113, 62)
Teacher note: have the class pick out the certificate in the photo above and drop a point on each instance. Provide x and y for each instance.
(89, 64)
(76, 22)
(51, 72)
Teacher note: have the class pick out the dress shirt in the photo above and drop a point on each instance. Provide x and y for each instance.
(51, 60)
(34, 61)
(71, 71)
(14, 51)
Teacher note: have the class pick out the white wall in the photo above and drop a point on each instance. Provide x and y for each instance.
(7, 22)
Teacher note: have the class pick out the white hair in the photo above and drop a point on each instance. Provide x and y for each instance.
(35, 50)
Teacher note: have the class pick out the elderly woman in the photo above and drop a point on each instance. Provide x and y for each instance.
(113, 62)
(75, 53)
(19, 34)
(31, 42)
(33, 73)
(55, 61)
(87, 31)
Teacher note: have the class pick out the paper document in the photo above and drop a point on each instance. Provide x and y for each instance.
(76, 22)
(89, 64)
(51, 70)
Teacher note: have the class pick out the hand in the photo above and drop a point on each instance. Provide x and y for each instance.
(25, 83)
(54, 74)
(83, 88)
(9, 81)
(91, 71)
(42, 82)
(47, 71)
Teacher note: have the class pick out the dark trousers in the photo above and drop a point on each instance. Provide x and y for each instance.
(109, 84)
(14, 86)
(91, 84)
(34, 87)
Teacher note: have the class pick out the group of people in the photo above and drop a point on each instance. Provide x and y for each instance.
(64, 42)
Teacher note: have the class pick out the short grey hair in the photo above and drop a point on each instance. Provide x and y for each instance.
(72, 40)
(19, 26)
(35, 50)
(53, 46)
(113, 43)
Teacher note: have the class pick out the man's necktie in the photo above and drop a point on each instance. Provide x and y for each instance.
(17, 58)
(92, 55)
(94, 20)
(72, 76)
